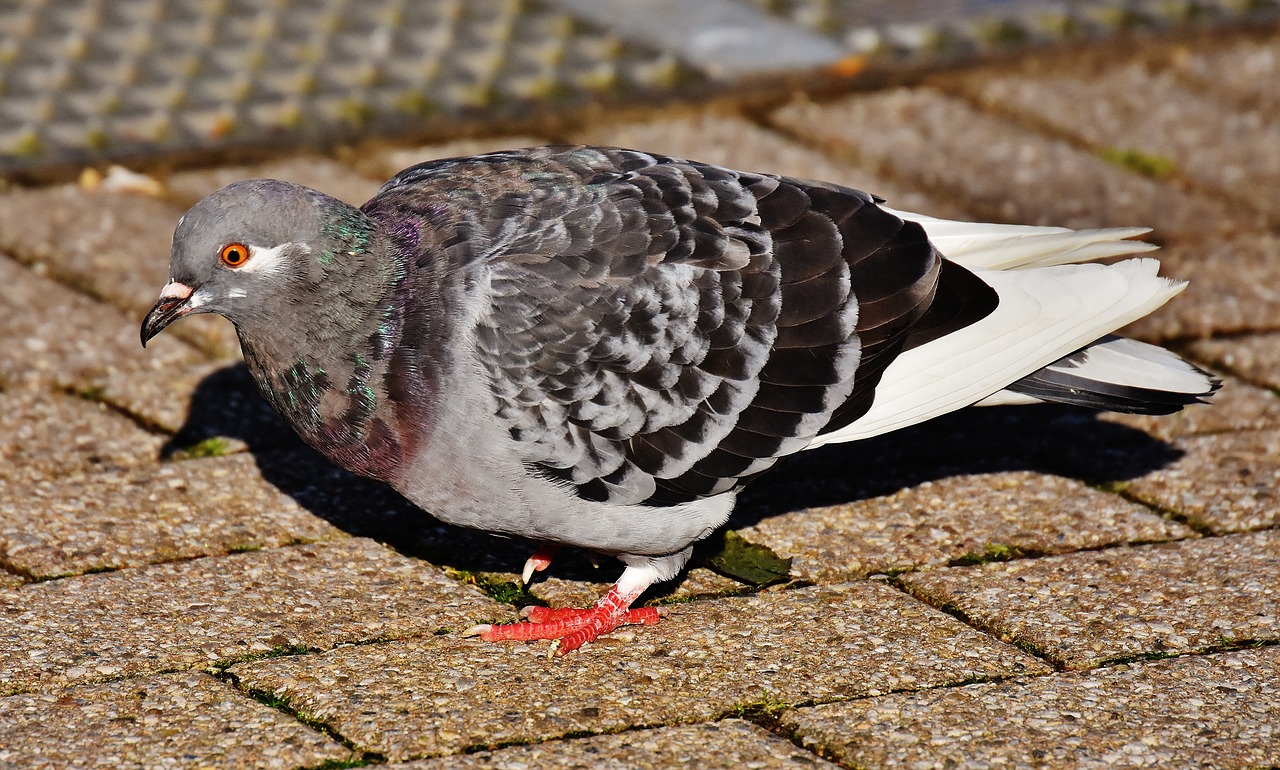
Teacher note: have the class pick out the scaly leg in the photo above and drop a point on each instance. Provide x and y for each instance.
(572, 628)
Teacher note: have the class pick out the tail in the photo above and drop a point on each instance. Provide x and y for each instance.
(1047, 339)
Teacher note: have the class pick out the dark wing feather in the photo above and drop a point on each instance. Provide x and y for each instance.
(659, 330)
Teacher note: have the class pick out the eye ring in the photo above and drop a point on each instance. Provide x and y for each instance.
(234, 254)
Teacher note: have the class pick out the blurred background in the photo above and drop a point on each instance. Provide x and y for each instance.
(197, 81)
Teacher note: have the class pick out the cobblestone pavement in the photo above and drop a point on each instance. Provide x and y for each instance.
(183, 584)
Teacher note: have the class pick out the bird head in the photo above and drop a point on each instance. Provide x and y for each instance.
(238, 252)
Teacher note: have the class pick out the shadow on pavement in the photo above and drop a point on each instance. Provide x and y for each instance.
(1047, 439)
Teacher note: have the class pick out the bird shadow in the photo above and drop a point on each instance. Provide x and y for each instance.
(1064, 441)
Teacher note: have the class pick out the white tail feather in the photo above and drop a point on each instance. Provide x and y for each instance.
(1012, 247)
(1043, 315)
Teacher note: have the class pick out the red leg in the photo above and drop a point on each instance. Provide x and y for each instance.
(573, 628)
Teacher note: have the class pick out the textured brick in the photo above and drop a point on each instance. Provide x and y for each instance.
(185, 719)
(200, 612)
(112, 245)
(194, 508)
(1087, 608)
(730, 744)
(1000, 171)
(446, 694)
(1256, 357)
(957, 517)
(47, 436)
(1210, 711)
(1146, 108)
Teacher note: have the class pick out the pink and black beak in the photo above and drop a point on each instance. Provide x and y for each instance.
(174, 303)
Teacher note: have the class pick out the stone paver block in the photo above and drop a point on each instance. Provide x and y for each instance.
(1230, 289)
(85, 346)
(1236, 406)
(1196, 711)
(731, 744)
(45, 436)
(447, 694)
(184, 719)
(958, 517)
(733, 141)
(204, 611)
(1256, 357)
(158, 513)
(319, 173)
(384, 163)
(1000, 171)
(111, 245)
(1246, 70)
(1147, 110)
(1226, 482)
(1087, 608)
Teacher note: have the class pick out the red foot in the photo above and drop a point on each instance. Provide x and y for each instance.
(572, 627)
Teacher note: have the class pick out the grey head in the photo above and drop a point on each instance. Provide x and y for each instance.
(240, 250)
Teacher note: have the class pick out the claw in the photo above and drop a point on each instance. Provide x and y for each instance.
(478, 630)
(540, 560)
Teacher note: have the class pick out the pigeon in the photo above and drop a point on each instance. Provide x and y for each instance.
(598, 347)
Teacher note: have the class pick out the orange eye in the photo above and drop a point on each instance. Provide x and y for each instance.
(234, 254)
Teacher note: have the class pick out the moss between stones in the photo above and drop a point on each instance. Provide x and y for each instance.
(1139, 162)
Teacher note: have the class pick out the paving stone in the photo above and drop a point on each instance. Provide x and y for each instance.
(184, 719)
(1225, 482)
(1145, 109)
(998, 170)
(385, 162)
(319, 173)
(1230, 289)
(1245, 69)
(1236, 406)
(731, 744)
(112, 245)
(200, 612)
(86, 346)
(1196, 711)
(447, 694)
(45, 436)
(197, 508)
(10, 580)
(1256, 357)
(967, 517)
(1084, 609)
(731, 140)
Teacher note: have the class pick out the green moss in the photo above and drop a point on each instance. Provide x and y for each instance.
(1139, 162)
(736, 557)
(215, 446)
(768, 705)
(991, 552)
(505, 591)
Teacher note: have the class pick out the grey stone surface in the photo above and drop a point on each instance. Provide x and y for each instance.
(733, 141)
(730, 744)
(956, 518)
(445, 694)
(173, 720)
(1229, 293)
(1199, 711)
(1148, 111)
(1226, 482)
(1083, 609)
(49, 435)
(152, 514)
(1001, 171)
(205, 611)
(725, 39)
(1244, 69)
(384, 163)
(317, 172)
(1256, 357)
(61, 338)
(111, 245)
